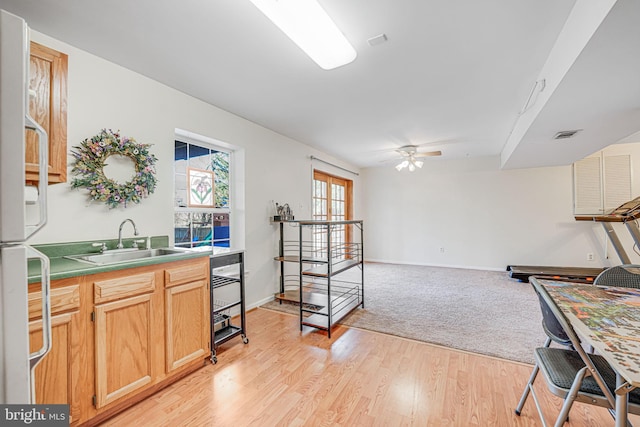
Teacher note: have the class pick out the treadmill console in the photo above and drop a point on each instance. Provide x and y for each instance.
(629, 210)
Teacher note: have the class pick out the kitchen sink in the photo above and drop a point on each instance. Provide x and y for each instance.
(116, 256)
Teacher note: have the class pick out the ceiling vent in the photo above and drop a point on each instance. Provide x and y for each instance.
(379, 39)
(566, 134)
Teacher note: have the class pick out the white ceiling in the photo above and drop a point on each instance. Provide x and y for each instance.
(453, 75)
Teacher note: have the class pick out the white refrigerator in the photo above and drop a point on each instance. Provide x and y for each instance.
(16, 361)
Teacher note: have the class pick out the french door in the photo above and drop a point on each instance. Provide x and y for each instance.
(332, 201)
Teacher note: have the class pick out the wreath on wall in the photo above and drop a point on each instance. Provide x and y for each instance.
(90, 159)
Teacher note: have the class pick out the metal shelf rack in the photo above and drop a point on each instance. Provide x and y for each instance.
(222, 328)
(328, 252)
(288, 253)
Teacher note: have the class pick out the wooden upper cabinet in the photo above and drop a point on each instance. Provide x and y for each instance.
(48, 79)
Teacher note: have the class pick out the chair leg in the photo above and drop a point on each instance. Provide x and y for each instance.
(571, 396)
(527, 388)
(532, 378)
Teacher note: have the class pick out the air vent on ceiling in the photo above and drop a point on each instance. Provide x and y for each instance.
(379, 39)
(566, 134)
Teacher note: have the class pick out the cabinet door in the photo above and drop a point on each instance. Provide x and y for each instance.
(187, 318)
(57, 374)
(123, 347)
(48, 80)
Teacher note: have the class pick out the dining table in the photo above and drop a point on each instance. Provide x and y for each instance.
(607, 319)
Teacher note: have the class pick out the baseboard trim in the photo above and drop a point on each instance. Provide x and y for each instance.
(260, 302)
(466, 267)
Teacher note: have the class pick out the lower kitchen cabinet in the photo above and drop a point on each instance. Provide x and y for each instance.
(120, 336)
(56, 376)
(124, 335)
(123, 348)
(186, 315)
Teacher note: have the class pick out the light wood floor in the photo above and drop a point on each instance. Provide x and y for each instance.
(357, 378)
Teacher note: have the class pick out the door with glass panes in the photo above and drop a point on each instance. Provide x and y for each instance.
(332, 201)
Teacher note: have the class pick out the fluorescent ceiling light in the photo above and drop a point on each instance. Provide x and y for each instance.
(308, 25)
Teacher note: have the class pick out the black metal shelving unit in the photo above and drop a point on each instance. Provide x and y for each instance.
(324, 272)
(287, 254)
(222, 328)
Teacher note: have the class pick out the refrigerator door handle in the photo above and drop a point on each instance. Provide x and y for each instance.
(36, 357)
(43, 173)
(43, 148)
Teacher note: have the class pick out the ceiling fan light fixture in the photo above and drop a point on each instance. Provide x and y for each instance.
(410, 163)
(411, 158)
(402, 165)
(307, 24)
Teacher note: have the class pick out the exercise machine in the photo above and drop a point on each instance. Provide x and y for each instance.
(576, 274)
(627, 213)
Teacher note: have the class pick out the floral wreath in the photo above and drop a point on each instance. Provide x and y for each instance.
(90, 159)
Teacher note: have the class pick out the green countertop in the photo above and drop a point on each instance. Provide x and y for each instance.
(62, 268)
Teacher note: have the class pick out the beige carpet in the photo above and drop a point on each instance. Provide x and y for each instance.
(479, 311)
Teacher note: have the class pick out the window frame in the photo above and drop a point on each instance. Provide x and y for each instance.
(216, 212)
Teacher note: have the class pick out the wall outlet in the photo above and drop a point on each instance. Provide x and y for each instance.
(590, 256)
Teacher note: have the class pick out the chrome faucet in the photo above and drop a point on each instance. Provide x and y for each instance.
(135, 231)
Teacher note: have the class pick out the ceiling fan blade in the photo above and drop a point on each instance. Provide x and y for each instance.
(428, 154)
(439, 142)
(410, 153)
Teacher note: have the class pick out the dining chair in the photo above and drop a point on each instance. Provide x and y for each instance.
(572, 373)
(625, 276)
(555, 334)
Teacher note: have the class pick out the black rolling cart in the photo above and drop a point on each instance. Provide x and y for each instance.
(223, 286)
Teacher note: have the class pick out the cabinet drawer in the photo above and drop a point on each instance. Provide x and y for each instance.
(186, 273)
(128, 286)
(62, 299)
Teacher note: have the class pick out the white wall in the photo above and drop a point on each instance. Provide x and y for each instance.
(481, 216)
(104, 95)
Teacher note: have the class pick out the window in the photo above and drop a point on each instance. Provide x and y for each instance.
(332, 201)
(202, 204)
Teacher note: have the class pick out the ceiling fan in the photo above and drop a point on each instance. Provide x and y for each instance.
(410, 157)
